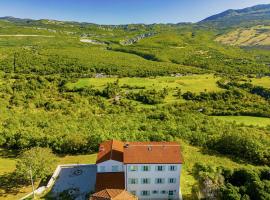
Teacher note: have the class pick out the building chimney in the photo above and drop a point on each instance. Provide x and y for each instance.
(126, 145)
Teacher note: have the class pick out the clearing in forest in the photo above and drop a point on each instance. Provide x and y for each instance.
(247, 120)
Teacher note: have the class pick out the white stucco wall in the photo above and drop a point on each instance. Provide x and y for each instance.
(108, 166)
(152, 175)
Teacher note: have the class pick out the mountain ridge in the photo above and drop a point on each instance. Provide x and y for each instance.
(258, 14)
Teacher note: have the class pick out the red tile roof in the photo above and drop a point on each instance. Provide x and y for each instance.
(152, 153)
(140, 152)
(110, 150)
(107, 180)
(114, 194)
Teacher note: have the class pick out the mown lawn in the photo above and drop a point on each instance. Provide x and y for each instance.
(191, 155)
(247, 120)
(264, 82)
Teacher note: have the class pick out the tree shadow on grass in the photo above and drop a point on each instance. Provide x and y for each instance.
(187, 197)
(6, 153)
(10, 184)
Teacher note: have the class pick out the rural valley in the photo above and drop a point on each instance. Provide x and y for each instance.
(67, 86)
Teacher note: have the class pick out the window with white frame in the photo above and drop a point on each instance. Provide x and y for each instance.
(102, 169)
(160, 168)
(145, 180)
(163, 192)
(172, 168)
(145, 193)
(133, 181)
(172, 180)
(133, 168)
(115, 168)
(160, 180)
(146, 168)
(171, 192)
(154, 191)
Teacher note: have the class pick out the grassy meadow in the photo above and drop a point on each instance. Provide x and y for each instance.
(193, 83)
(264, 82)
(246, 120)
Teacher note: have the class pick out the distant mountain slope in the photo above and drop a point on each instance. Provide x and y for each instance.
(254, 36)
(253, 15)
(16, 20)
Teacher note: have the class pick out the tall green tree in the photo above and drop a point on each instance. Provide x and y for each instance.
(39, 160)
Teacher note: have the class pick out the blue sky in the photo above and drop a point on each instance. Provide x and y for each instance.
(121, 11)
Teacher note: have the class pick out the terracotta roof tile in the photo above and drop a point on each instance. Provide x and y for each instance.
(110, 150)
(113, 180)
(114, 194)
(152, 153)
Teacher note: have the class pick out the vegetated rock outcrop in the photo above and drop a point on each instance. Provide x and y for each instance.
(92, 41)
(137, 38)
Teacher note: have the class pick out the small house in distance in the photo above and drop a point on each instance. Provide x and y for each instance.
(144, 170)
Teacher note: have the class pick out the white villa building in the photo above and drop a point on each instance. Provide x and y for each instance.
(147, 170)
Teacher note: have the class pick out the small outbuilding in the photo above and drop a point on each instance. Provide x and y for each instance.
(113, 194)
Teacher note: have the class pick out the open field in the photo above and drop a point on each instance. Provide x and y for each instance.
(264, 82)
(191, 154)
(247, 120)
(193, 83)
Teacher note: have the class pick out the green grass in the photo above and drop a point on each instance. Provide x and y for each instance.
(77, 159)
(192, 155)
(193, 83)
(7, 161)
(264, 82)
(247, 120)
